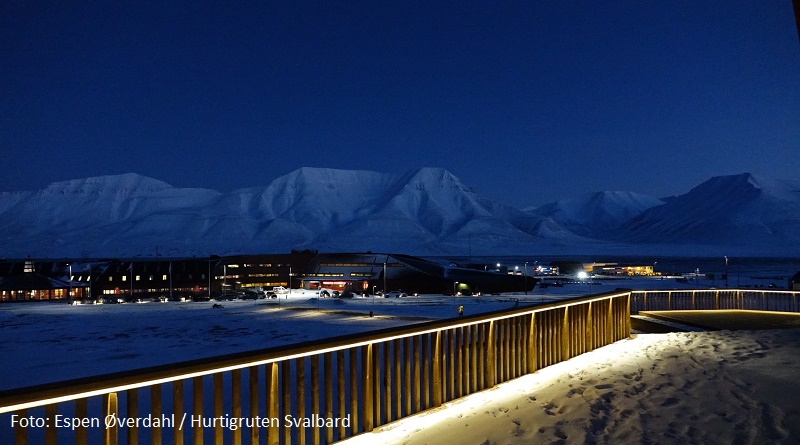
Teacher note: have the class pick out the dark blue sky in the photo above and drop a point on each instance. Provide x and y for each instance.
(526, 102)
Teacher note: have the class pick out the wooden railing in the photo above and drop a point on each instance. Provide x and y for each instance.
(713, 299)
(364, 381)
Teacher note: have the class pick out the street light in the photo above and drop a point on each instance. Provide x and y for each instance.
(70, 283)
(455, 286)
(526, 278)
(726, 271)
(290, 282)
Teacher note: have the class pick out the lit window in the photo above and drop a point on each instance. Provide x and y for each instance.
(124, 278)
(163, 278)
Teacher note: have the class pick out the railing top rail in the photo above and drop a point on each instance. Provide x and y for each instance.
(707, 290)
(19, 398)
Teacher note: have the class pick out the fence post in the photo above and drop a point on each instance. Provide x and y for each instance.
(110, 407)
(253, 388)
(300, 375)
(327, 363)
(565, 352)
(81, 410)
(20, 432)
(197, 409)
(177, 409)
(273, 431)
(217, 380)
(437, 370)
(353, 356)
(155, 411)
(236, 401)
(627, 315)
(610, 323)
(490, 356)
(367, 368)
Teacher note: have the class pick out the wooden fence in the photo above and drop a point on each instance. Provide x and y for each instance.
(315, 392)
(714, 299)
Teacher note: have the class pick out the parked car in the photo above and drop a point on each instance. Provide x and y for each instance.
(346, 294)
(396, 294)
(227, 296)
(249, 295)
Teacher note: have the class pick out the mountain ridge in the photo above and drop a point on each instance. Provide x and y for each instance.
(424, 211)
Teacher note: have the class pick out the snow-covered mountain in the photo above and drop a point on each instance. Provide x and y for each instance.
(597, 214)
(741, 211)
(426, 211)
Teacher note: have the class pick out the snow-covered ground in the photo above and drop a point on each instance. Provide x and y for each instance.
(45, 342)
(682, 388)
(699, 387)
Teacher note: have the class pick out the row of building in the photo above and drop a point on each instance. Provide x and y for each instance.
(31, 280)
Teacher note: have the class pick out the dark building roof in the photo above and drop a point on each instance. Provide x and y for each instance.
(35, 281)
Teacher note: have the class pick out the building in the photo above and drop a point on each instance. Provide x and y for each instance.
(193, 278)
(614, 269)
(794, 282)
(372, 272)
(22, 282)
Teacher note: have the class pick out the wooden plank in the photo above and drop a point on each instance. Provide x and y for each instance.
(366, 357)
(272, 405)
(328, 363)
(355, 383)
(218, 400)
(110, 407)
(491, 377)
(315, 433)
(300, 379)
(252, 388)
(236, 403)
(197, 409)
(437, 370)
(177, 409)
(340, 391)
(415, 344)
(286, 398)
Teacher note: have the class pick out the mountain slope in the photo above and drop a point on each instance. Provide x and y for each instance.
(424, 211)
(737, 210)
(596, 214)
